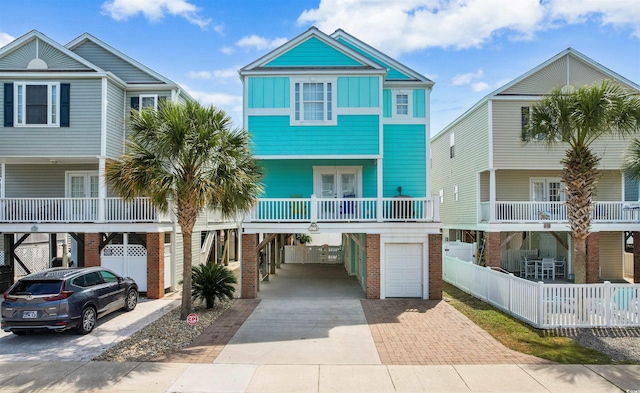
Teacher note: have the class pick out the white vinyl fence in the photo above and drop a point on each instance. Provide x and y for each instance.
(460, 250)
(312, 254)
(548, 305)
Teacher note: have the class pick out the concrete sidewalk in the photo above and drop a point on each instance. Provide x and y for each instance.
(68, 377)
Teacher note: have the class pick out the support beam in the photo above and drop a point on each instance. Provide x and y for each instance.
(357, 241)
(560, 240)
(264, 242)
(273, 253)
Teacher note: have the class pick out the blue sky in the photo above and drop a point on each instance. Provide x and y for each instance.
(468, 47)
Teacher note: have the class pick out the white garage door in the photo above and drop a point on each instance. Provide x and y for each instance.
(403, 270)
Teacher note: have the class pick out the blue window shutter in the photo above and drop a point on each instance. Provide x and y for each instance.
(65, 104)
(8, 104)
(135, 103)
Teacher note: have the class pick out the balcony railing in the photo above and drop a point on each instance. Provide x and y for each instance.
(343, 210)
(56, 210)
(603, 212)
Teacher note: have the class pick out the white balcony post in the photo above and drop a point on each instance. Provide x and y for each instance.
(102, 189)
(379, 207)
(492, 195)
(314, 208)
(435, 200)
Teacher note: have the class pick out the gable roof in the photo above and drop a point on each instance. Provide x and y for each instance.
(397, 70)
(349, 58)
(36, 35)
(90, 38)
(509, 88)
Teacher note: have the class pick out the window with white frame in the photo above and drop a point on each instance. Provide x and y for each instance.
(455, 193)
(149, 101)
(36, 103)
(402, 101)
(402, 104)
(452, 145)
(313, 102)
(441, 194)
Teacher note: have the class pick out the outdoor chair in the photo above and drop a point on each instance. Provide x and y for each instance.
(548, 268)
(527, 268)
(561, 267)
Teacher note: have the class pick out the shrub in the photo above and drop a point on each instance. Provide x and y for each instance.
(211, 282)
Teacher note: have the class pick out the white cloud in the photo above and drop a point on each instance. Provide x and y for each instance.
(230, 103)
(227, 50)
(465, 79)
(479, 86)
(224, 75)
(154, 10)
(259, 43)
(420, 24)
(5, 39)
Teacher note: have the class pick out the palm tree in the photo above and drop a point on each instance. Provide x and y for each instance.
(211, 282)
(578, 118)
(189, 156)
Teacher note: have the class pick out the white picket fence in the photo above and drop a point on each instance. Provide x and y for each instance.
(548, 306)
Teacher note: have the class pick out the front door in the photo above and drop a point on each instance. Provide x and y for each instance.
(547, 190)
(337, 182)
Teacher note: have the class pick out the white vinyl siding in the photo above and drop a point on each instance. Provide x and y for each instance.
(54, 58)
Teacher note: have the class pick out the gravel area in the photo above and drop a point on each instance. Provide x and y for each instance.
(621, 344)
(165, 335)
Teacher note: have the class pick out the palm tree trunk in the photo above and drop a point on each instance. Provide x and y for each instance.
(580, 254)
(185, 308)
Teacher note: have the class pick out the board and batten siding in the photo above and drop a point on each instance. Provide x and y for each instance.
(511, 153)
(515, 185)
(112, 63)
(40, 181)
(313, 53)
(566, 70)
(284, 178)
(358, 92)
(353, 134)
(115, 120)
(81, 138)
(611, 245)
(268, 92)
(419, 107)
(471, 148)
(404, 163)
(56, 60)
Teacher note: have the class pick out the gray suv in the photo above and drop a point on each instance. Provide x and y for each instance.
(65, 298)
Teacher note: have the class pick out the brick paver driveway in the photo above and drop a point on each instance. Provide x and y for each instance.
(430, 332)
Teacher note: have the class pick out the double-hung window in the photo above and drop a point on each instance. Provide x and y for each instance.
(36, 104)
(313, 102)
(402, 104)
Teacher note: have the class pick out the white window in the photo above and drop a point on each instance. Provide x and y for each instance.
(441, 194)
(149, 101)
(313, 102)
(455, 193)
(452, 145)
(402, 103)
(36, 103)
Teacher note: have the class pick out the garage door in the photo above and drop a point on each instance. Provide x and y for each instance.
(403, 270)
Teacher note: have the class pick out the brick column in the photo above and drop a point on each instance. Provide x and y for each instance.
(92, 249)
(249, 266)
(435, 266)
(155, 265)
(636, 257)
(492, 249)
(593, 258)
(373, 266)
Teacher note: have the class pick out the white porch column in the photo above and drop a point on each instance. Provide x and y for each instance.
(2, 177)
(314, 209)
(102, 189)
(379, 196)
(492, 195)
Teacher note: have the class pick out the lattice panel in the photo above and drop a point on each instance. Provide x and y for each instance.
(113, 250)
(35, 258)
(137, 250)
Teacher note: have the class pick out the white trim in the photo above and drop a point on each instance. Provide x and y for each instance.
(314, 71)
(87, 175)
(319, 157)
(427, 144)
(319, 170)
(103, 118)
(406, 120)
(3, 171)
(490, 130)
(23, 103)
(143, 96)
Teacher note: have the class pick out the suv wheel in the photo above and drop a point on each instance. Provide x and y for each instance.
(87, 321)
(131, 300)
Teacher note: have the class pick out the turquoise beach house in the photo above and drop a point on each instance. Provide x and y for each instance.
(341, 132)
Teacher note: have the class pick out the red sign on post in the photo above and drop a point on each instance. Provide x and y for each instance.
(192, 319)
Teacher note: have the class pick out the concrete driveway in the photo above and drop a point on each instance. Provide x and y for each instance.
(69, 346)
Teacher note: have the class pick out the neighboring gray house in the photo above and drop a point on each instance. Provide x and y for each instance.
(63, 116)
(493, 186)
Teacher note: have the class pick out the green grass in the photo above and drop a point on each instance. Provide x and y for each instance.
(519, 336)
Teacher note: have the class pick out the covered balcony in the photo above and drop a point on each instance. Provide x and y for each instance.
(397, 209)
(523, 212)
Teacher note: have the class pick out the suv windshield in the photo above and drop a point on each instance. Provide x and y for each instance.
(29, 287)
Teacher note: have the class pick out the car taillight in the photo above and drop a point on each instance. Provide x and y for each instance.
(60, 296)
(8, 298)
